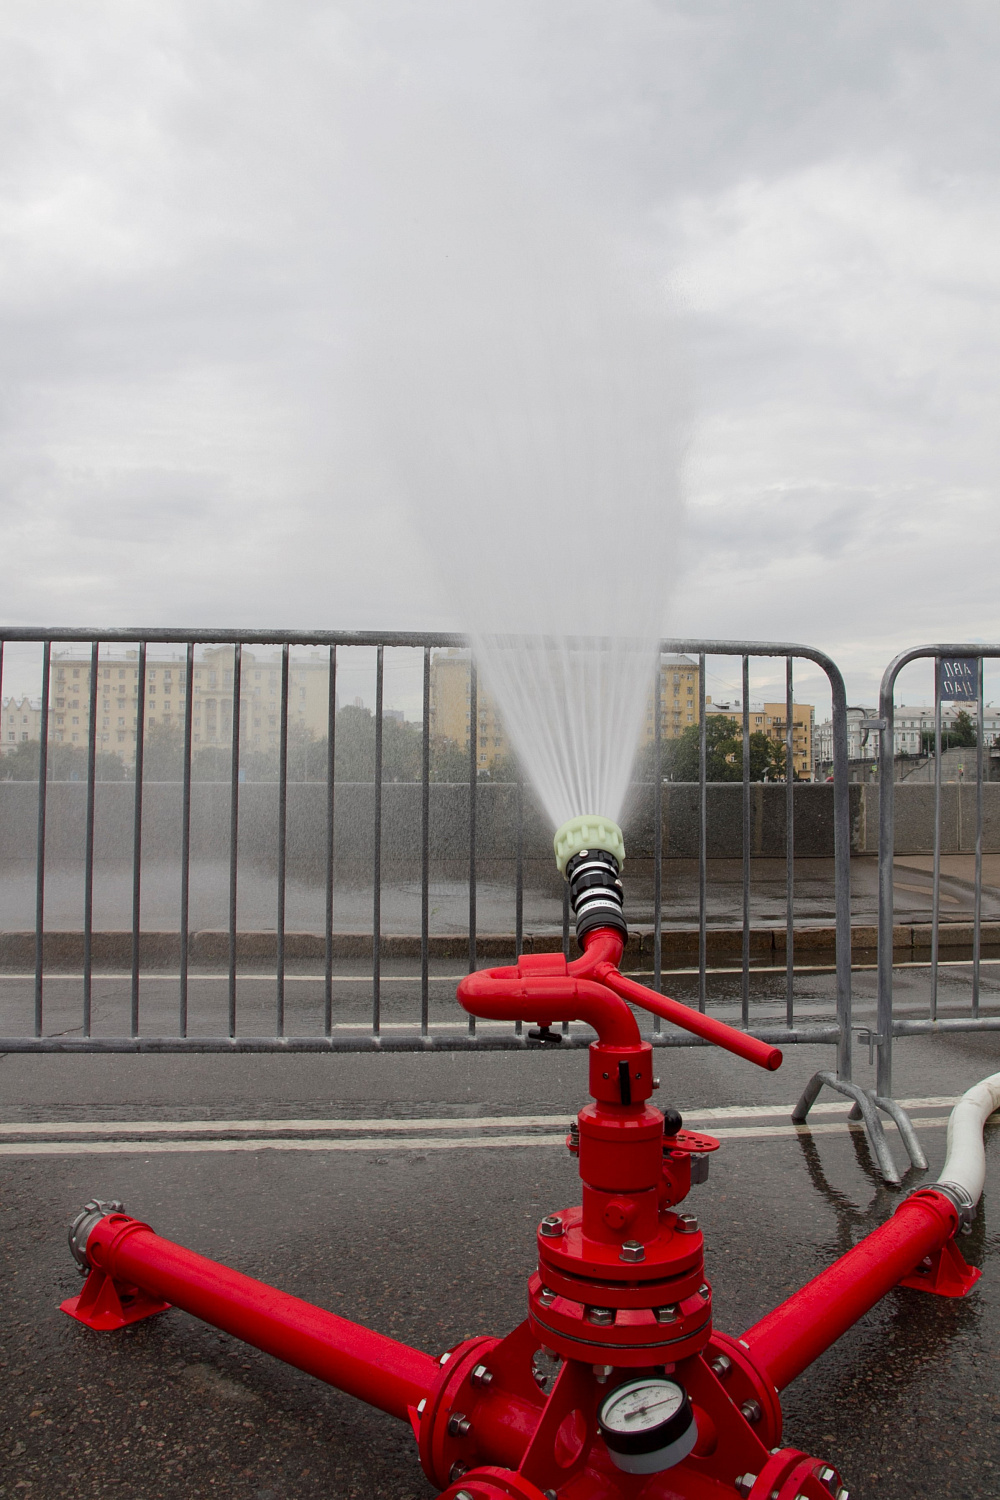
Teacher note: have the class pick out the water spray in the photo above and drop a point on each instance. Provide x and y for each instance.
(617, 1386)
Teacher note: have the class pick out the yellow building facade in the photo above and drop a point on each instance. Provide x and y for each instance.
(769, 719)
(166, 698)
(451, 708)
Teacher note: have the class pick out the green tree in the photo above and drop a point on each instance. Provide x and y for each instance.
(962, 734)
(65, 763)
(680, 759)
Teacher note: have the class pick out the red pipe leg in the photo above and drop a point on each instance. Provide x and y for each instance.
(788, 1339)
(376, 1369)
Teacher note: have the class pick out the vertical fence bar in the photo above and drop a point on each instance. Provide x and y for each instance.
(331, 769)
(519, 882)
(43, 776)
(186, 839)
(88, 858)
(841, 868)
(936, 897)
(702, 837)
(658, 834)
(279, 996)
(425, 848)
(519, 869)
(473, 780)
(140, 762)
(377, 863)
(234, 827)
(789, 847)
(886, 892)
(745, 976)
(565, 934)
(977, 920)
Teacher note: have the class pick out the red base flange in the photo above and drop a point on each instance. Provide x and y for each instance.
(945, 1273)
(105, 1303)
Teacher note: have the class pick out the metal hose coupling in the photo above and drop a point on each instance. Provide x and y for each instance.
(590, 853)
(79, 1231)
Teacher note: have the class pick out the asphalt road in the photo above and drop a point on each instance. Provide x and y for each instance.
(427, 1234)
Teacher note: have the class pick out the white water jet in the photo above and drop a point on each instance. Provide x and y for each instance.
(526, 373)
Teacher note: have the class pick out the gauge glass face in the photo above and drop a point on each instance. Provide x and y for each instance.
(639, 1405)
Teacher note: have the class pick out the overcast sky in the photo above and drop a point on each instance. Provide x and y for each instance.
(196, 202)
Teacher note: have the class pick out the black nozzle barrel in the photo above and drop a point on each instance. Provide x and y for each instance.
(595, 892)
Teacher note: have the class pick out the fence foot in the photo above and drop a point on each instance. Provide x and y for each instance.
(905, 1127)
(866, 1107)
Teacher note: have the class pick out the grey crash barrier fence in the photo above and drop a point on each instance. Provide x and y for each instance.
(209, 702)
(958, 678)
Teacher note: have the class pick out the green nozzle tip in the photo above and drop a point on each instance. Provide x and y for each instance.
(587, 832)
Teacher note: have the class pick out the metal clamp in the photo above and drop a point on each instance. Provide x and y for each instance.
(79, 1231)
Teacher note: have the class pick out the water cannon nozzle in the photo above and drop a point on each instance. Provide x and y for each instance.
(590, 853)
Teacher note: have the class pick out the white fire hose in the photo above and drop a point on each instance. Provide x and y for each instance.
(965, 1162)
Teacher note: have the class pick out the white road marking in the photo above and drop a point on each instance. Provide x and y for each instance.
(420, 1143)
(523, 1122)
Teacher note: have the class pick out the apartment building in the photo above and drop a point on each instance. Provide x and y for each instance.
(166, 698)
(20, 719)
(910, 724)
(450, 707)
(770, 719)
(679, 698)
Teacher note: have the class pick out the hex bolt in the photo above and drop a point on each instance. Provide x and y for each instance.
(457, 1470)
(602, 1316)
(546, 1296)
(843, 1494)
(667, 1314)
(720, 1365)
(827, 1476)
(445, 1357)
(551, 1226)
(686, 1224)
(482, 1376)
(656, 1083)
(705, 1290)
(752, 1411)
(601, 1373)
(421, 1406)
(745, 1483)
(463, 1495)
(459, 1424)
(632, 1250)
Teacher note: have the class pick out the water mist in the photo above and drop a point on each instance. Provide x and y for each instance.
(528, 378)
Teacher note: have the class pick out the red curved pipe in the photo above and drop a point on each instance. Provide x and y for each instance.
(592, 989)
(506, 995)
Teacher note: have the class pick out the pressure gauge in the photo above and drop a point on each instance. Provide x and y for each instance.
(648, 1425)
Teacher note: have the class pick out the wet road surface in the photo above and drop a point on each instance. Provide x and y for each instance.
(431, 1242)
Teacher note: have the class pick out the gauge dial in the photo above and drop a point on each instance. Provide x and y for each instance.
(647, 1424)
